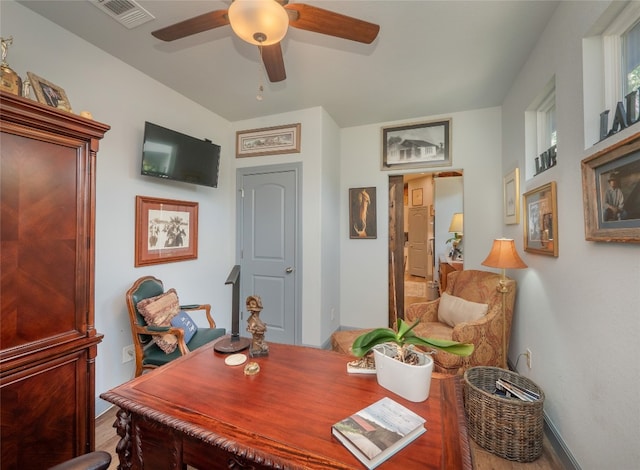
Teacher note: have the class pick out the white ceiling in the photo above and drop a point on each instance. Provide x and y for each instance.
(431, 57)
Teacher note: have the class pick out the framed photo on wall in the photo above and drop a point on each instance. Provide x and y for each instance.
(416, 197)
(362, 213)
(541, 220)
(611, 193)
(166, 231)
(511, 190)
(419, 145)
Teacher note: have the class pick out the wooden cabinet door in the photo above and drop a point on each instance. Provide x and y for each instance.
(47, 337)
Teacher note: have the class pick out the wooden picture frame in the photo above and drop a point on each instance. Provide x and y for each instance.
(541, 220)
(511, 197)
(416, 197)
(418, 145)
(48, 93)
(611, 193)
(166, 231)
(363, 222)
(268, 141)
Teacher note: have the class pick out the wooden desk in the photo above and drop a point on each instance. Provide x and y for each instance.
(200, 412)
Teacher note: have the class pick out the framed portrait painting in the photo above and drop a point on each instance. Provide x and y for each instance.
(541, 220)
(166, 231)
(419, 145)
(611, 193)
(362, 213)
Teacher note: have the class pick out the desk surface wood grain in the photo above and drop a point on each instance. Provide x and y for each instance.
(280, 417)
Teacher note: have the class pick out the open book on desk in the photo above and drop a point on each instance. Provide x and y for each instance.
(378, 431)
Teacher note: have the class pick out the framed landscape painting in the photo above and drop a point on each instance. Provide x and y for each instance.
(268, 141)
(419, 145)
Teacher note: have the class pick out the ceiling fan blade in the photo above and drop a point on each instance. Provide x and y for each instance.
(273, 62)
(197, 24)
(323, 21)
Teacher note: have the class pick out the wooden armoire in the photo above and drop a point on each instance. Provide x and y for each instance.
(48, 342)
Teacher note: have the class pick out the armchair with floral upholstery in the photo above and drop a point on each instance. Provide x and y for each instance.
(467, 290)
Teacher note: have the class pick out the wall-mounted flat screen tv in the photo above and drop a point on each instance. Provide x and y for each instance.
(175, 156)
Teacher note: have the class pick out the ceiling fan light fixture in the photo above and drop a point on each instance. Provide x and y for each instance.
(259, 22)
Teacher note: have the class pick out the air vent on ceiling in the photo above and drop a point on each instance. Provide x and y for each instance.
(126, 12)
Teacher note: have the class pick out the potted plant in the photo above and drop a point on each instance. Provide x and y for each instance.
(401, 368)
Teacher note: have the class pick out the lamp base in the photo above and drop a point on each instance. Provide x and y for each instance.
(231, 344)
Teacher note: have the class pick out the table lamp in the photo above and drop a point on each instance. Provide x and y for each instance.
(456, 227)
(503, 255)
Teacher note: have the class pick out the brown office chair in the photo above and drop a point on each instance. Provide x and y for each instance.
(98, 460)
(146, 338)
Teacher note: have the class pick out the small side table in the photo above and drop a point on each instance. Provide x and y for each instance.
(447, 265)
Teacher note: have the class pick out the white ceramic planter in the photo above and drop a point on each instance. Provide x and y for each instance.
(409, 381)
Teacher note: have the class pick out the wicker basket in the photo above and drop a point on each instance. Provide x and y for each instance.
(508, 427)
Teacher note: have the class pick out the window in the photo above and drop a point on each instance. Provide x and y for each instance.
(541, 134)
(622, 56)
(547, 133)
(631, 62)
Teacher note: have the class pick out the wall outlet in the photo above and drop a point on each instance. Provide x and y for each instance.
(528, 354)
(127, 353)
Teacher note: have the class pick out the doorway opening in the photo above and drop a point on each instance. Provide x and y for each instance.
(420, 208)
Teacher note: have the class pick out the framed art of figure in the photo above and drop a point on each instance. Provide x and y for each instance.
(511, 190)
(611, 193)
(166, 231)
(362, 213)
(419, 145)
(541, 220)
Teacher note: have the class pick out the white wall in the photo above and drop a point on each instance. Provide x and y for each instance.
(363, 263)
(318, 154)
(124, 98)
(578, 313)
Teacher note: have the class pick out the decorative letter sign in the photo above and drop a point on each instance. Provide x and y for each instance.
(621, 119)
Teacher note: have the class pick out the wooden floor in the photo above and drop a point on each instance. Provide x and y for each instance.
(107, 439)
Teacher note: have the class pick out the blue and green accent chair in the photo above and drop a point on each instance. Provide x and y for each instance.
(147, 354)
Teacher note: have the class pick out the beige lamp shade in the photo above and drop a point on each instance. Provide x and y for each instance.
(503, 255)
(259, 22)
(457, 223)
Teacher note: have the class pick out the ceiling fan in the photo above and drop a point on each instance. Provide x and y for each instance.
(265, 22)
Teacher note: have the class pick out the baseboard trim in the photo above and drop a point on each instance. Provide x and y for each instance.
(560, 448)
(551, 432)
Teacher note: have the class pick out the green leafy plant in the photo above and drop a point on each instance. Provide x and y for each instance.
(403, 338)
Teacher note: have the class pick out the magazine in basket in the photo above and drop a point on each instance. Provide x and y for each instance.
(378, 431)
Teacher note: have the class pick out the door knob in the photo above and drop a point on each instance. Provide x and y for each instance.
(289, 270)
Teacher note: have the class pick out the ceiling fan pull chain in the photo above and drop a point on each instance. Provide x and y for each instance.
(259, 96)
